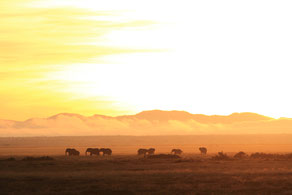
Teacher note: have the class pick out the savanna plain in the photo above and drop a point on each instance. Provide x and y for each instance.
(124, 172)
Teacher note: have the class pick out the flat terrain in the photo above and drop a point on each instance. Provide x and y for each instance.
(128, 145)
(130, 174)
(126, 173)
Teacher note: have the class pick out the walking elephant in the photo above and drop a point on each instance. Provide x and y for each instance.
(72, 152)
(142, 151)
(151, 151)
(176, 151)
(203, 150)
(106, 151)
(92, 151)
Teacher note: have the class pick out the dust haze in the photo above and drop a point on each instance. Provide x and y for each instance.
(153, 122)
(130, 144)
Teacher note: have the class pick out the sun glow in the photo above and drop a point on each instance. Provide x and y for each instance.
(121, 57)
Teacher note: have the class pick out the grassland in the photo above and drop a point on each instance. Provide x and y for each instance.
(130, 174)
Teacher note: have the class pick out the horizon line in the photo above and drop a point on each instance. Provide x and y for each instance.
(125, 115)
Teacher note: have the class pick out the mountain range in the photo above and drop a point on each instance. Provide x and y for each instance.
(154, 122)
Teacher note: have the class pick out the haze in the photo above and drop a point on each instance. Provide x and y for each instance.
(115, 58)
(155, 122)
(145, 97)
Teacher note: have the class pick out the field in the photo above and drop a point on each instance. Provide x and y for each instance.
(126, 173)
(130, 174)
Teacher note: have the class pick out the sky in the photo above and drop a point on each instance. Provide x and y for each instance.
(122, 57)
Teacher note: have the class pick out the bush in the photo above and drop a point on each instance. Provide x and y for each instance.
(261, 155)
(240, 155)
(221, 156)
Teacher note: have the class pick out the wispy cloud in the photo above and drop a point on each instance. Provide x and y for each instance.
(35, 41)
(46, 36)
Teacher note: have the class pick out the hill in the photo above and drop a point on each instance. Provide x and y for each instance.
(154, 122)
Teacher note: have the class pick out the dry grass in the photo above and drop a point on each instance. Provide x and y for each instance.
(138, 175)
(267, 156)
(42, 158)
(163, 156)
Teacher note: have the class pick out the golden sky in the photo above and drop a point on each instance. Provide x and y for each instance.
(122, 57)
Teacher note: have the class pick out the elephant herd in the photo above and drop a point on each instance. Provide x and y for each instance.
(108, 151)
(151, 151)
(91, 151)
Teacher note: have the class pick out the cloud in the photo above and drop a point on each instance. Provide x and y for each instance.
(37, 41)
(44, 36)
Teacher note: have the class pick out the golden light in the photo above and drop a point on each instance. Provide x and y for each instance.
(210, 58)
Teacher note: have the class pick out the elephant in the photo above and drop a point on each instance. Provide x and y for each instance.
(142, 151)
(72, 152)
(203, 150)
(176, 151)
(92, 151)
(105, 151)
(151, 151)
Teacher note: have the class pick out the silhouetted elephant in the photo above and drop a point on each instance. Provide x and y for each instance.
(105, 151)
(151, 151)
(176, 151)
(92, 151)
(72, 152)
(203, 150)
(142, 151)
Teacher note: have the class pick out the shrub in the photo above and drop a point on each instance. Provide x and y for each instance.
(221, 156)
(240, 155)
(261, 155)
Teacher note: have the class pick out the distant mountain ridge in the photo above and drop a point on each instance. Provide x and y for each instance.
(183, 116)
(162, 116)
(152, 122)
